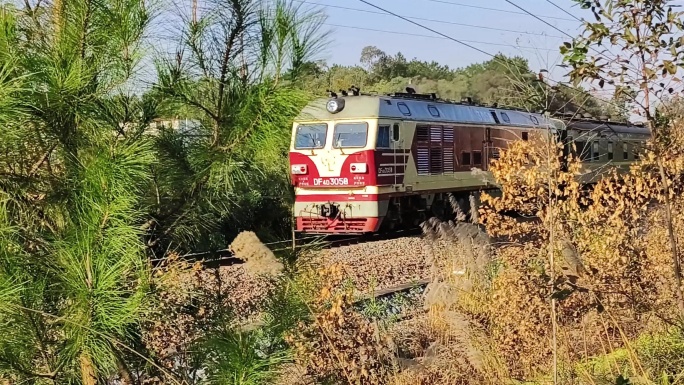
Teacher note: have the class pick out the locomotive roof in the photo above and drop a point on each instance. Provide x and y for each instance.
(388, 107)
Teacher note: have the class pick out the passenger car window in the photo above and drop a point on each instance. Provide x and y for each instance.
(610, 150)
(595, 154)
(625, 151)
(582, 151)
(310, 136)
(383, 137)
(348, 135)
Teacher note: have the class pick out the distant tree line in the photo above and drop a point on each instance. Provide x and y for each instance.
(504, 80)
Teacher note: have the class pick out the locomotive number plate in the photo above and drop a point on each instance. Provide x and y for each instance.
(385, 170)
(331, 181)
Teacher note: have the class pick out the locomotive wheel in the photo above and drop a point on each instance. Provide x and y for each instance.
(438, 210)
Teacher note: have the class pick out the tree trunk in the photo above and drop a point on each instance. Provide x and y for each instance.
(88, 374)
(58, 16)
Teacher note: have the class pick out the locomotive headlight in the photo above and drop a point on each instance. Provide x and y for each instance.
(298, 169)
(335, 105)
(358, 168)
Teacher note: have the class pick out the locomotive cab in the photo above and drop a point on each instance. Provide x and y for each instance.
(336, 154)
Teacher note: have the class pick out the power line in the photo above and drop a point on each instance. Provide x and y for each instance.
(427, 28)
(558, 29)
(430, 20)
(432, 37)
(491, 9)
(564, 10)
(457, 40)
(539, 18)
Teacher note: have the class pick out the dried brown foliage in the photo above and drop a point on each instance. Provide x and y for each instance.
(456, 302)
(611, 270)
(339, 343)
(191, 301)
(259, 259)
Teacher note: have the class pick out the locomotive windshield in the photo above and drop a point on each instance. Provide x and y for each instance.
(347, 135)
(311, 136)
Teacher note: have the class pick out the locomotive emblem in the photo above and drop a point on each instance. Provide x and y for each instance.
(329, 162)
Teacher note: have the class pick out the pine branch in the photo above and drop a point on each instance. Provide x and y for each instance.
(229, 44)
(42, 160)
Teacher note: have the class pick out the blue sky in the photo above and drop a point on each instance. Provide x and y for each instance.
(539, 44)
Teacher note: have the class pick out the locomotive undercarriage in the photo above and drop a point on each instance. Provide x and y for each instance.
(410, 211)
(398, 213)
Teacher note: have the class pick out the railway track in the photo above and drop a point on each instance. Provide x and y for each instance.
(384, 295)
(341, 240)
(224, 257)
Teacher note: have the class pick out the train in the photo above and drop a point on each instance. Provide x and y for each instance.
(365, 163)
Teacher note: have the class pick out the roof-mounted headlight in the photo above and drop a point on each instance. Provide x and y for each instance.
(335, 105)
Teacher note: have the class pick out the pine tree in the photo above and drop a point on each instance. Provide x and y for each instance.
(72, 269)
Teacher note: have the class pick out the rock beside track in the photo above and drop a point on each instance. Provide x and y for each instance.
(382, 264)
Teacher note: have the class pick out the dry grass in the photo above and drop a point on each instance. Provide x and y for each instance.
(488, 306)
(448, 345)
(294, 374)
(607, 263)
(259, 259)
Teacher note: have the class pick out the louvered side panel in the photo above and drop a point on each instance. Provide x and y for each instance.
(448, 134)
(436, 161)
(423, 160)
(449, 160)
(422, 133)
(436, 134)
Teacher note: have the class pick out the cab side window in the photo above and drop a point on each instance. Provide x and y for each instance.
(383, 137)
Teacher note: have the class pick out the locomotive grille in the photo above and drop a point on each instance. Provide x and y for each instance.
(422, 133)
(436, 134)
(449, 160)
(448, 134)
(436, 166)
(423, 161)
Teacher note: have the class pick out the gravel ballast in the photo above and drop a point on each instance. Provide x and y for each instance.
(382, 264)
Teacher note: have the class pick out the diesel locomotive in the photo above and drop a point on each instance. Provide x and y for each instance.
(367, 163)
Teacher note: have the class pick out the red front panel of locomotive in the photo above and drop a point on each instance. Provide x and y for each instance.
(333, 169)
(336, 191)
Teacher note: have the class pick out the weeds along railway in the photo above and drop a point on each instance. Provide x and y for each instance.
(225, 257)
(370, 163)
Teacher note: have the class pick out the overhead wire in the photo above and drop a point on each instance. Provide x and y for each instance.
(432, 37)
(427, 28)
(539, 18)
(564, 10)
(490, 9)
(558, 29)
(553, 26)
(429, 20)
(463, 42)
